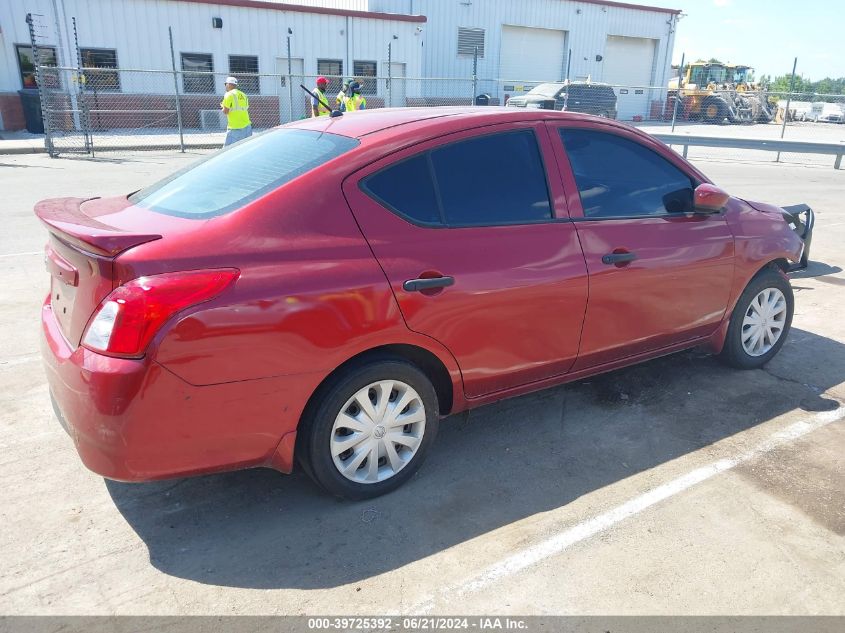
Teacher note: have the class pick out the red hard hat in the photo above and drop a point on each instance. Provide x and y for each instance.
(322, 80)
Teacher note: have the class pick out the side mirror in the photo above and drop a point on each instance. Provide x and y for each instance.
(710, 199)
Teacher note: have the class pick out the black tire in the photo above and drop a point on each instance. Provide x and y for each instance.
(316, 428)
(733, 353)
(714, 111)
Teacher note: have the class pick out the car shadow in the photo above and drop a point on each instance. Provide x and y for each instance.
(815, 269)
(500, 464)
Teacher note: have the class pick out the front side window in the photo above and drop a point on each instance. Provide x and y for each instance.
(496, 179)
(196, 76)
(229, 179)
(96, 62)
(618, 177)
(245, 69)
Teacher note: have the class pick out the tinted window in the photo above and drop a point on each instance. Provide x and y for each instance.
(495, 179)
(228, 179)
(618, 177)
(407, 188)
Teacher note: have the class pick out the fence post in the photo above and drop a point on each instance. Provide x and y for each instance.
(290, 81)
(42, 93)
(389, 75)
(678, 94)
(81, 80)
(474, 76)
(788, 103)
(176, 91)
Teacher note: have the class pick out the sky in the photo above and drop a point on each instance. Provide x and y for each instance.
(765, 34)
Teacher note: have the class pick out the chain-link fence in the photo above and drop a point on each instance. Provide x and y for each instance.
(125, 110)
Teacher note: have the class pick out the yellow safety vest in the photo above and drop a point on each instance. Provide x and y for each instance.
(355, 102)
(238, 104)
(321, 109)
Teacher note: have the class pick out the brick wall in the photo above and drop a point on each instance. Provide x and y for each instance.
(12, 111)
(110, 110)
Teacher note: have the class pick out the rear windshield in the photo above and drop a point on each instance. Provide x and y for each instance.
(230, 178)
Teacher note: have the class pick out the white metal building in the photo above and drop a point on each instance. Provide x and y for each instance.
(526, 42)
(520, 43)
(225, 36)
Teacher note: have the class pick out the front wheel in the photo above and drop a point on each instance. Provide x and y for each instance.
(760, 321)
(370, 430)
(714, 112)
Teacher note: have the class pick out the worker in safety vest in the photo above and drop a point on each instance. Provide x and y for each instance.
(354, 101)
(235, 106)
(320, 102)
(341, 96)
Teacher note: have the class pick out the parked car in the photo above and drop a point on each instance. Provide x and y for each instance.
(818, 112)
(577, 96)
(329, 290)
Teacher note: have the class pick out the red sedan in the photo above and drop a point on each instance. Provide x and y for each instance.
(331, 289)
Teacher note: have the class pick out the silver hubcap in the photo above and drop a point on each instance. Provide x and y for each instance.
(764, 321)
(378, 431)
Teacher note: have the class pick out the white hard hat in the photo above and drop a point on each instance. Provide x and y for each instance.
(232, 80)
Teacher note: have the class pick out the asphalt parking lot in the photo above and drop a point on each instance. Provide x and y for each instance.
(677, 486)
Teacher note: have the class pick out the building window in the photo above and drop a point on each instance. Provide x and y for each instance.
(331, 69)
(26, 65)
(363, 71)
(468, 39)
(95, 59)
(194, 77)
(245, 69)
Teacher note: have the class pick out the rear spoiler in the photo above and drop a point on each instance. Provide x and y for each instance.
(65, 219)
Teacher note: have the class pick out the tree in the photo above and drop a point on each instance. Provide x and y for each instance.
(806, 87)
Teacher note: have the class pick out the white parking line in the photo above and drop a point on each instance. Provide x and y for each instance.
(20, 360)
(557, 543)
(21, 254)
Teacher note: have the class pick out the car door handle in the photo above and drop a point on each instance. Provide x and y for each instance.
(416, 285)
(618, 258)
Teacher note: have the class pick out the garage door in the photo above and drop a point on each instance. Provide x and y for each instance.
(529, 56)
(628, 61)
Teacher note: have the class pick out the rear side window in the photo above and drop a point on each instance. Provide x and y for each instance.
(617, 177)
(231, 178)
(407, 189)
(489, 180)
(495, 179)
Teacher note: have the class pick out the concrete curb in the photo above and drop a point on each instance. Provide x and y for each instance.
(22, 150)
(110, 148)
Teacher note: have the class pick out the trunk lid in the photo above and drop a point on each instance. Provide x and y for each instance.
(86, 235)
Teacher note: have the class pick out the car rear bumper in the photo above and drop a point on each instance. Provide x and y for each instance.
(134, 420)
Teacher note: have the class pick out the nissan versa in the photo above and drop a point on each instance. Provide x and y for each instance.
(327, 291)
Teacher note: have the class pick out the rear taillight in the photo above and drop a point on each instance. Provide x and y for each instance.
(127, 320)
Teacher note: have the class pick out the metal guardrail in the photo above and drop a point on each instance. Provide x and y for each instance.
(770, 145)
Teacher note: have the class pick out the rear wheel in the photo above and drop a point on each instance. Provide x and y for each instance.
(370, 430)
(760, 321)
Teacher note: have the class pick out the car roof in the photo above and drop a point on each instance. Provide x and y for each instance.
(366, 122)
